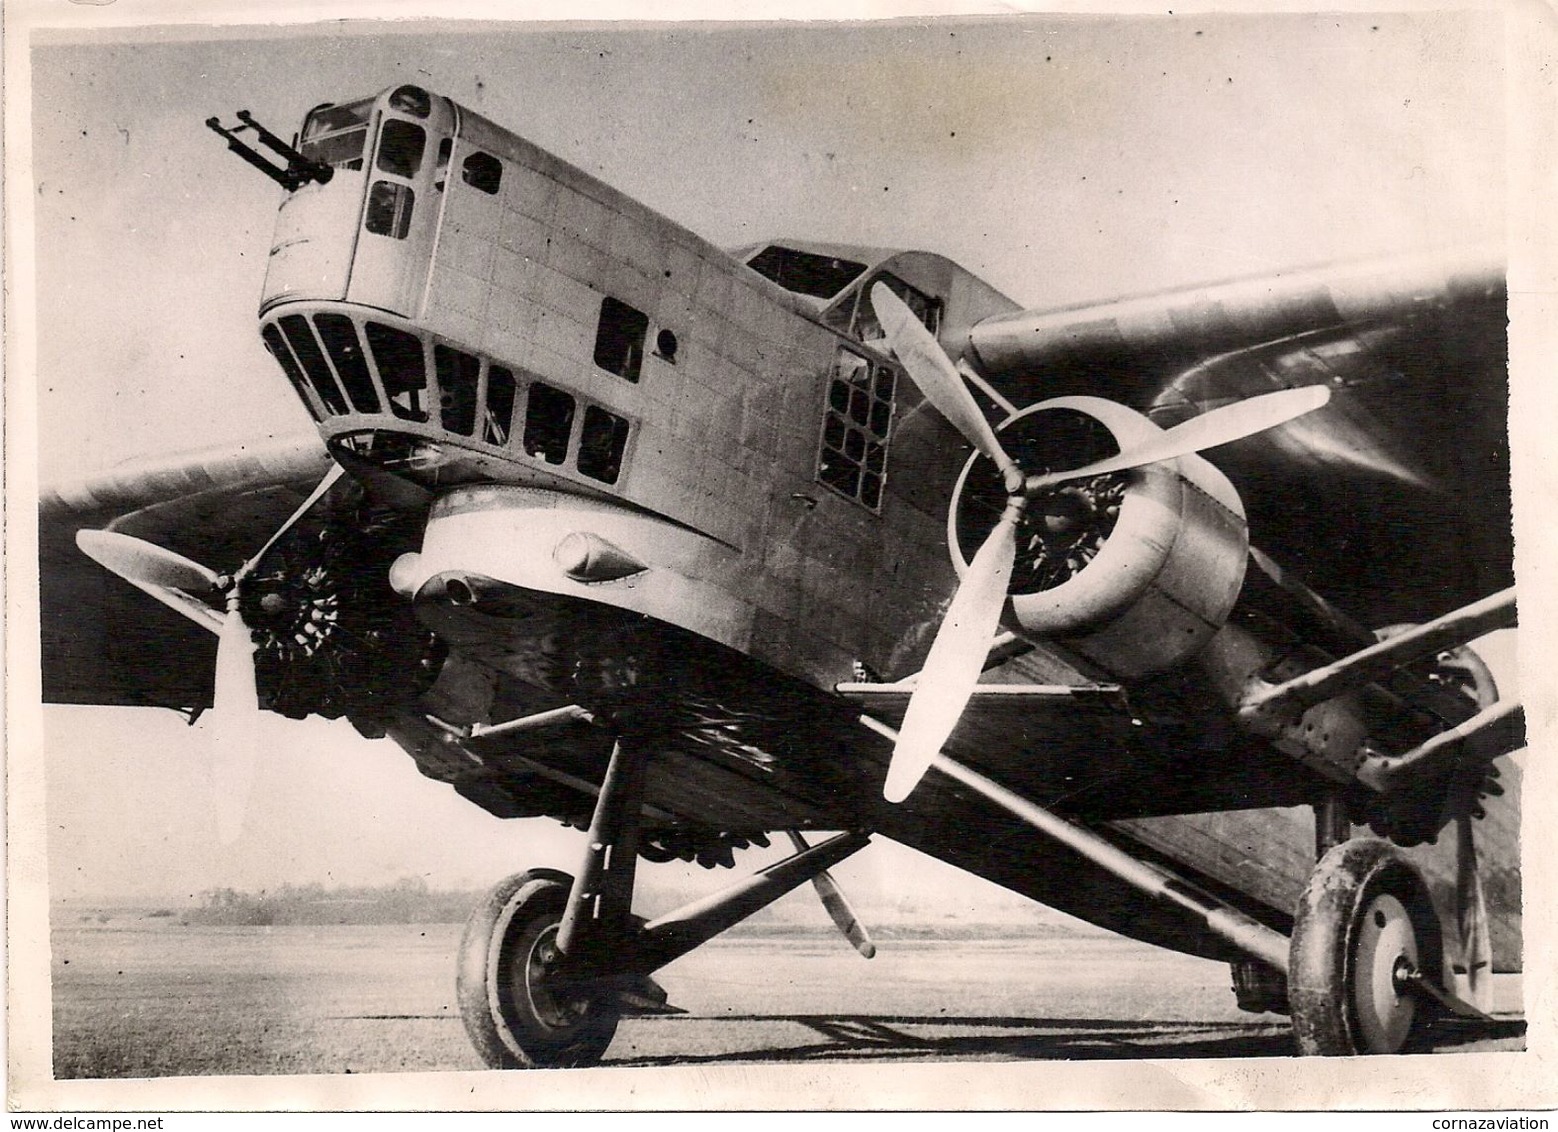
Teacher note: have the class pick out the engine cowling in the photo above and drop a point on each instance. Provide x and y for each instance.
(1135, 570)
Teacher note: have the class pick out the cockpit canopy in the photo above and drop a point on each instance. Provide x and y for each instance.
(806, 273)
(834, 281)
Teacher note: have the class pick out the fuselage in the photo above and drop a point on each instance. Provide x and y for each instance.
(462, 309)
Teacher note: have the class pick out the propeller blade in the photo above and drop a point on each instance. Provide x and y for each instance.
(838, 908)
(1220, 426)
(145, 563)
(1471, 921)
(937, 378)
(323, 486)
(236, 711)
(956, 658)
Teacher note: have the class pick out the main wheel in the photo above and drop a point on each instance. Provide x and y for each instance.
(1364, 926)
(518, 1015)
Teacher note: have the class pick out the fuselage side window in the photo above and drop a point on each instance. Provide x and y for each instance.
(602, 441)
(925, 308)
(482, 171)
(856, 426)
(548, 423)
(619, 339)
(402, 369)
(457, 376)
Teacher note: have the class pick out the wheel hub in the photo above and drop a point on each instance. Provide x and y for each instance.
(553, 1001)
(1385, 958)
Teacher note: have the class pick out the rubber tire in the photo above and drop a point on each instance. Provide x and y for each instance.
(1328, 927)
(501, 1021)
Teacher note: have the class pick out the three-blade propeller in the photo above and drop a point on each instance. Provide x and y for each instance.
(957, 656)
(235, 697)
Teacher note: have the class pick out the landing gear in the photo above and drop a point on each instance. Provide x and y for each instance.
(550, 963)
(520, 1011)
(1365, 942)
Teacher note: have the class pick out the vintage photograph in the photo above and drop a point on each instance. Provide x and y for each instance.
(569, 553)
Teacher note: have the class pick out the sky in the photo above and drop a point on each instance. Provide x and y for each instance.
(1062, 159)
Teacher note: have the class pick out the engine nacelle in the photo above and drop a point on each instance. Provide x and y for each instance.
(1133, 570)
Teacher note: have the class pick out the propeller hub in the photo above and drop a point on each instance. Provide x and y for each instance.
(1065, 511)
(1064, 526)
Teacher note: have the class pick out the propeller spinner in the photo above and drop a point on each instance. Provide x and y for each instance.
(235, 698)
(957, 656)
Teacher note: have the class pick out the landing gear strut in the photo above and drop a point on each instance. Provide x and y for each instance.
(549, 964)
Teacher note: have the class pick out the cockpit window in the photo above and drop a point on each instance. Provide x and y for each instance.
(819, 276)
(336, 135)
(925, 308)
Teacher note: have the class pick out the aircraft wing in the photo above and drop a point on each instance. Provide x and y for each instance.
(216, 507)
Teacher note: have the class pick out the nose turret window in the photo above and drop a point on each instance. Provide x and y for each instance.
(400, 147)
(402, 369)
(337, 135)
(389, 209)
(548, 423)
(457, 374)
(412, 100)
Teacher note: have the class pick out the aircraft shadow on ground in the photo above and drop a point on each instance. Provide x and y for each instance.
(905, 1036)
(867, 1037)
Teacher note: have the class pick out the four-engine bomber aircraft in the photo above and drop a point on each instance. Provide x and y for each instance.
(616, 527)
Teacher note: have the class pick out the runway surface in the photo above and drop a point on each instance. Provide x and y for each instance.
(150, 998)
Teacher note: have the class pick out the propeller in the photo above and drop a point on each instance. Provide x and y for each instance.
(144, 563)
(837, 906)
(235, 697)
(938, 379)
(1220, 426)
(1471, 921)
(957, 655)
